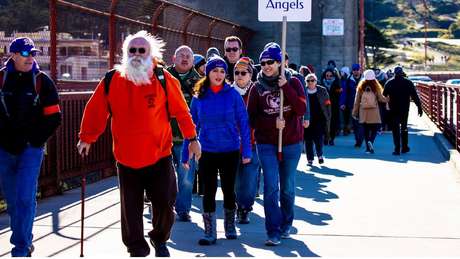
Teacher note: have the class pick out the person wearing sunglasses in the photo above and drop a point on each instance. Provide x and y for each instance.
(263, 109)
(320, 119)
(232, 53)
(29, 115)
(248, 174)
(222, 124)
(138, 107)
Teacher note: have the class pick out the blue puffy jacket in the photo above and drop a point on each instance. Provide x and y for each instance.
(221, 122)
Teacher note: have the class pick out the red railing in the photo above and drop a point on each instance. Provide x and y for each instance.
(62, 161)
(441, 103)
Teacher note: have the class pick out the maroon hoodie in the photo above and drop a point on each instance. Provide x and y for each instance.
(263, 109)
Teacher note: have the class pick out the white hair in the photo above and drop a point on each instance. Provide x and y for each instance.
(156, 44)
(182, 47)
(310, 76)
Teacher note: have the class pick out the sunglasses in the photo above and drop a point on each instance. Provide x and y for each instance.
(26, 53)
(313, 80)
(268, 62)
(243, 73)
(139, 50)
(234, 49)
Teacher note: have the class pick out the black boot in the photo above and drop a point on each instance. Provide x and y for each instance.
(210, 232)
(229, 224)
(243, 216)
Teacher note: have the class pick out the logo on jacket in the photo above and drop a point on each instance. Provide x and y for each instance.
(273, 101)
(150, 98)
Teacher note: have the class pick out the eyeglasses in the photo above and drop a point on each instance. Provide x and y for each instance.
(26, 53)
(139, 50)
(243, 73)
(268, 62)
(312, 80)
(234, 49)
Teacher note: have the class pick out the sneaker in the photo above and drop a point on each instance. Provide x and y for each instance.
(310, 162)
(31, 250)
(183, 217)
(272, 241)
(405, 150)
(321, 160)
(285, 235)
(161, 250)
(370, 147)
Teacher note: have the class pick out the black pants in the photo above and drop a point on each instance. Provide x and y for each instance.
(335, 122)
(370, 132)
(314, 134)
(400, 131)
(226, 164)
(159, 183)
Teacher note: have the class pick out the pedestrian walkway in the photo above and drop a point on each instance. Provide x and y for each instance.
(356, 204)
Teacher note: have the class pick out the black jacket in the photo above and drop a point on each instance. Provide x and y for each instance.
(29, 120)
(401, 90)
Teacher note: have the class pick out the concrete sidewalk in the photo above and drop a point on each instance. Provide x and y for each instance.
(354, 205)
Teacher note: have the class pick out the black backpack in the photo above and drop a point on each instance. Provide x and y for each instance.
(159, 73)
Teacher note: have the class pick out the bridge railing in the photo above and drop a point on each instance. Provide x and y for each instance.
(441, 103)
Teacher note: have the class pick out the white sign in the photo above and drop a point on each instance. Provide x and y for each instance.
(294, 10)
(332, 27)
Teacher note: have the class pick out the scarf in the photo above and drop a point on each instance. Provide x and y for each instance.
(241, 91)
(271, 83)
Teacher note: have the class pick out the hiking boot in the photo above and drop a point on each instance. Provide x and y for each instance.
(210, 232)
(183, 217)
(243, 216)
(161, 250)
(229, 224)
(273, 241)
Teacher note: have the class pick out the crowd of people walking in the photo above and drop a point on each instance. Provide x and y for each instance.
(208, 116)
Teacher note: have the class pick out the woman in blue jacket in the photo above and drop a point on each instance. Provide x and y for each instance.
(221, 119)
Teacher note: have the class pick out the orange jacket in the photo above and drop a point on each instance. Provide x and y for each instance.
(141, 130)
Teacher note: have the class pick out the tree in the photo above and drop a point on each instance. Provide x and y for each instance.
(23, 15)
(375, 40)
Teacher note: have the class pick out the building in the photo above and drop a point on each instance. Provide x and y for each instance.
(306, 43)
(77, 59)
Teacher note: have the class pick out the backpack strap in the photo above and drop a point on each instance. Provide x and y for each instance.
(37, 81)
(107, 79)
(3, 74)
(159, 72)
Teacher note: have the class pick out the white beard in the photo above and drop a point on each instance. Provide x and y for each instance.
(137, 70)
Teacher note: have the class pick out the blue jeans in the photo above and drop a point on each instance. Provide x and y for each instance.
(279, 174)
(246, 182)
(185, 180)
(19, 180)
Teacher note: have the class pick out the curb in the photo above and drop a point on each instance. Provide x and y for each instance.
(447, 150)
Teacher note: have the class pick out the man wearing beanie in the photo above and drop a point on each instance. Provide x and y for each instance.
(263, 109)
(401, 90)
(184, 71)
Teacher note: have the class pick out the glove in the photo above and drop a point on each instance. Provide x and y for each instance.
(420, 111)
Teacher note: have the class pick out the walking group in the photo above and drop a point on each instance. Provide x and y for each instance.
(208, 116)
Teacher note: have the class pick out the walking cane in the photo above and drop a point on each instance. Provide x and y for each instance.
(83, 188)
(283, 60)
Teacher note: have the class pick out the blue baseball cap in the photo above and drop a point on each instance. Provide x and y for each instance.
(398, 70)
(23, 44)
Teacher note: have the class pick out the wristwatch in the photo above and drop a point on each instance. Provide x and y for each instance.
(192, 139)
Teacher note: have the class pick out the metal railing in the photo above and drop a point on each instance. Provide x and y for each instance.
(441, 103)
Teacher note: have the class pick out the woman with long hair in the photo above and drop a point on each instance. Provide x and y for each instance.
(366, 108)
(221, 120)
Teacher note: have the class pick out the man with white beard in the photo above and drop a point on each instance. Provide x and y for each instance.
(142, 140)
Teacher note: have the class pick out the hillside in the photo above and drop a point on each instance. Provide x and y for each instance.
(405, 18)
